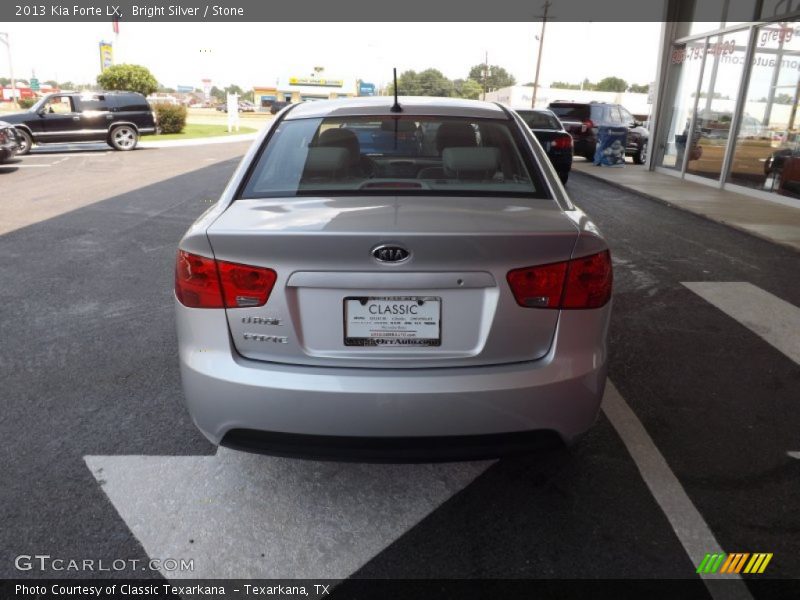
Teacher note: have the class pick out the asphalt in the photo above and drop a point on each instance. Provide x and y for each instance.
(88, 367)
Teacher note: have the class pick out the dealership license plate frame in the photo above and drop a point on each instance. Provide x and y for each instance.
(374, 342)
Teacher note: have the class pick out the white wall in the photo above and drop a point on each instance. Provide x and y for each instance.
(519, 96)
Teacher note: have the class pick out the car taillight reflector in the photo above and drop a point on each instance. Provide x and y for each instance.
(579, 283)
(587, 124)
(563, 142)
(202, 282)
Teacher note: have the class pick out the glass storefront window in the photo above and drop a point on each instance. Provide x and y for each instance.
(767, 152)
(716, 103)
(686, 63)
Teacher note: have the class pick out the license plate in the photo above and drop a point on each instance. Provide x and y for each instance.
(392, 321)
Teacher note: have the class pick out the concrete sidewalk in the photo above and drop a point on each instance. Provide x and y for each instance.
(768, 220)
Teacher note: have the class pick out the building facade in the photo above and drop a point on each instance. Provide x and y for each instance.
(727, 107)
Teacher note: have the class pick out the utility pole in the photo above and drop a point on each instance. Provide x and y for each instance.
(485, 73)
(5, 39)
(539, 57)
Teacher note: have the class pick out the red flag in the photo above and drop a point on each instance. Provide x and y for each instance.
(115, 24)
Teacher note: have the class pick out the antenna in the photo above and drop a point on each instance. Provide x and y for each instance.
(396, 106)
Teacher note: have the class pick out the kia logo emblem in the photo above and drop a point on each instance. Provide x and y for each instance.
(387, 253)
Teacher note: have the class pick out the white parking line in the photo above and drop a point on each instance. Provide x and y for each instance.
(687, 522)
(243, 515)
(773, 319)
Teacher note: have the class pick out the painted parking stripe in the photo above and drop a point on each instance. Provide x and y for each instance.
(769, 317)
(244, 515)
(687, 522)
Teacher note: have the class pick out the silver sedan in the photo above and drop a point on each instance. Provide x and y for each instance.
(391, 281)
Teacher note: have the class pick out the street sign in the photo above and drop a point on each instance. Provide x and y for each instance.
(35, 84)
(185, 89)
(366, 89)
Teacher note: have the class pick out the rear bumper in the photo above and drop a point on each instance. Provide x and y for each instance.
(8, 151)
(224, 392)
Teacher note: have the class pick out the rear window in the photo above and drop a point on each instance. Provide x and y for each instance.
(539, 120)
(91, 102)
(394, 155)
(572, 112)
(129, 102)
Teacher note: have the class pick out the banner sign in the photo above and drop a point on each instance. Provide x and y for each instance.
(106, 55)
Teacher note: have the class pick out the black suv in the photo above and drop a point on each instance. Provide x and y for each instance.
(581, 120)
(117, 118)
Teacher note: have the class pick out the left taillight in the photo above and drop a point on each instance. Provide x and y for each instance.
(202, 282)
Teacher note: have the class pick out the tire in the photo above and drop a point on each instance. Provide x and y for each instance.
(641, 156)
(123, 138)
(563, 176)
(25, 142)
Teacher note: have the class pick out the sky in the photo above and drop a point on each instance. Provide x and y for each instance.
(249, 54)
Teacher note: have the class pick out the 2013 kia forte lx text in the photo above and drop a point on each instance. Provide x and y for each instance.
(386, 280)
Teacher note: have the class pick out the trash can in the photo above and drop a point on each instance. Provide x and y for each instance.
(610, 150)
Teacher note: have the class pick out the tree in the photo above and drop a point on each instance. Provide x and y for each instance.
(467, 88)
(639, 88)
(429, 82)
(612, 84)
(498, 77)
(51, 83)
(217, 94)
(133, 78)
(234, 89)
(5, 81)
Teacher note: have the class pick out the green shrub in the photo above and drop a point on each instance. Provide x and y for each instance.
(26, 102)
(171, 117)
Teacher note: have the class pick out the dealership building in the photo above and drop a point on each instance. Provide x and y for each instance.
(302, 89)
(726, 100)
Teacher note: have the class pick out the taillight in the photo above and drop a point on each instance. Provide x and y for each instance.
(589, 280)
(587, 124)
(562, 142)
(202, 282)
(579, 283)
(244, 286)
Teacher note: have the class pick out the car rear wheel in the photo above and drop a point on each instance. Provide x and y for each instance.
(641, 156)
(123, 137)
(25, 142)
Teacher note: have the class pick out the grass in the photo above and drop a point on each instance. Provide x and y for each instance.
(192, 131)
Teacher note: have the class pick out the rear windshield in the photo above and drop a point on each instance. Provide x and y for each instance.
(573, 112)
(539, 120)
(394, 155)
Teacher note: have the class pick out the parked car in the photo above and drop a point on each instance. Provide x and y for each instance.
(451, 304)
(278, 106)
(243, 105)
(553, 137)
(9, 146)
(582, 119)
(117, 118)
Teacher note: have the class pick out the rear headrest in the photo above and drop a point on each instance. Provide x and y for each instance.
(325, 162)
(455, 134)
(341, 138)
(471, 163)
(403, 125)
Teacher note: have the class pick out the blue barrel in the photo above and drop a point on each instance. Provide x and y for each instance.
(610, 150)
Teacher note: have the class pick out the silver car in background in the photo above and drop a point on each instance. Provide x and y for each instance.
(387, 281)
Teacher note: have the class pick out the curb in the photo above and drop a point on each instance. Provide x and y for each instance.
(735, 226)
(228, 139)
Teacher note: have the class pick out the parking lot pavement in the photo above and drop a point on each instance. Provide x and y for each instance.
(57, 178)
(101, 460)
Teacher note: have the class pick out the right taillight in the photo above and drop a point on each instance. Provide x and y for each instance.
(587, 124)
(202, 282)
(579, 283)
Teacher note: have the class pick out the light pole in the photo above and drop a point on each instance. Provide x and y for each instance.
(5, 39)
(539, 57)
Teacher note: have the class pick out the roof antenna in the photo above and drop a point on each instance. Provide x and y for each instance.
(396, 106)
